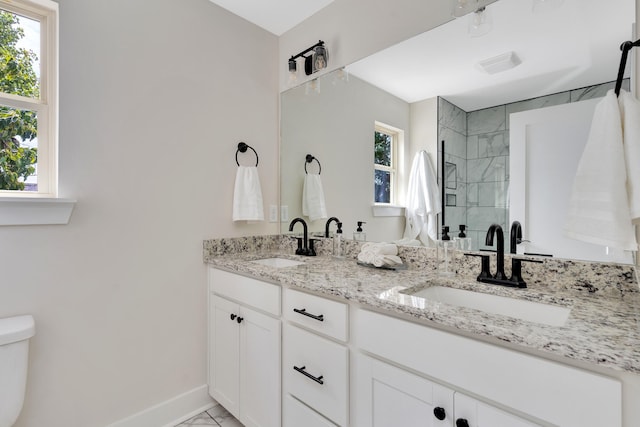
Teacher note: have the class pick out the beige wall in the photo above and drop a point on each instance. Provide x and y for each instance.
(154, 97)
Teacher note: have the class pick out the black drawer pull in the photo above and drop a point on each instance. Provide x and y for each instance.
(303, 311)
(308, 375)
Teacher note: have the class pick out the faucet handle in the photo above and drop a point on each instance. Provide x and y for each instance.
(485, 271)
(300, 250)
(311, 251)
(516, 270)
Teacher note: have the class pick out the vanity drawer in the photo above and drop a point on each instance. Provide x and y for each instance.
(315, 371)
(254, 293)
(298, 414)
(319, 314)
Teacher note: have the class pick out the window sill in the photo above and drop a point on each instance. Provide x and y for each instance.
(35, 211)
(388, 210)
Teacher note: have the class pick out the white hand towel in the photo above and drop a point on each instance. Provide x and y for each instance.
(598, 208)
(247, 195)
(630, 115)
(313, 203)
(423, 201)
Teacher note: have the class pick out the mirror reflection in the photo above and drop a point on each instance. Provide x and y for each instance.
(429, 89)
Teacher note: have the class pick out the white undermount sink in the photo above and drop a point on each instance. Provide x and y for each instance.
(278, 262)
(530, 311)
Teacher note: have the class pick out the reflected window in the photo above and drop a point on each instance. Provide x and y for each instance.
(386, 140)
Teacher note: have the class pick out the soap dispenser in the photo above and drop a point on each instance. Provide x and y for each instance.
(337, 242)
(359, 235)
(463, 242)
(445, 253)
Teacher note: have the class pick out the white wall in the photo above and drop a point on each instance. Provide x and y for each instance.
(154, 97)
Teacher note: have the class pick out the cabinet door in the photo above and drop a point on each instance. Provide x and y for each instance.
(297, 414)
(386, 396)
(224, 353)
(260, 390)
(479, 414)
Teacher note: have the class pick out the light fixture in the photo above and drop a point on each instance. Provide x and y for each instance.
(480, 22)
(502, 62)
(462, 7)
(315, 59)
(312, 87)
(293, 72)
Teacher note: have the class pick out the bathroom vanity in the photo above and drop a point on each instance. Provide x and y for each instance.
(354, 346)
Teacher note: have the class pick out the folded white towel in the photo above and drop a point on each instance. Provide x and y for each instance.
(379, 254)
(598, 208)
(423, 201)
(247, 195)
(313, 203)
(630, 115)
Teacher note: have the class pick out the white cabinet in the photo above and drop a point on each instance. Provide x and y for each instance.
(387, 396)
(469, 412)
(244, 349)
(536, 388)
(315, 366)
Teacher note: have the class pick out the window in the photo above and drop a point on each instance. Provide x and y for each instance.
(28, 98)
(386, 140)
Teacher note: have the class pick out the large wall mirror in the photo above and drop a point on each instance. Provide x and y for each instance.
(432, 88)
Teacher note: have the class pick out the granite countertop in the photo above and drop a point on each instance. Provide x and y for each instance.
(603, 328)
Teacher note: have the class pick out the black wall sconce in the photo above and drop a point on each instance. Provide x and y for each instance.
(315, 59)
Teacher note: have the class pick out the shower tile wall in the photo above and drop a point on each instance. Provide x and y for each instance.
(477, 142)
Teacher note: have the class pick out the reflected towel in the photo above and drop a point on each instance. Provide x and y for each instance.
(247, 195)
(630, 115)
(423, 201)
(313, 203)
(599, 208)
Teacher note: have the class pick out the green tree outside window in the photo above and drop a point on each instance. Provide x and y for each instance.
(17, 77)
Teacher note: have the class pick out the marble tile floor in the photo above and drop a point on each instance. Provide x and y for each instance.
(216, 416)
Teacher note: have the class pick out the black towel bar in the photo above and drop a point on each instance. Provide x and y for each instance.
(310, 159)
(242, 147)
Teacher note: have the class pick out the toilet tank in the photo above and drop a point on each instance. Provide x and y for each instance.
(14, 357)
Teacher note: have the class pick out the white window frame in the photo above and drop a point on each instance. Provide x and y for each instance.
(397, 138)
(43, 206)
(45, 12)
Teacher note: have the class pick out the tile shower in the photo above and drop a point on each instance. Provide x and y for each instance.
(477, 159)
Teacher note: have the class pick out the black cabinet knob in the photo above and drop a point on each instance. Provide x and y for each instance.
(461, 422)
(439, 413)
(233, 317)
(239, 319)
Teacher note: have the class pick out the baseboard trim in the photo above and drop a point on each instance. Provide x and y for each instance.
(171, 412)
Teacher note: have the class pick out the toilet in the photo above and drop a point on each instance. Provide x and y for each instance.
(14, 357)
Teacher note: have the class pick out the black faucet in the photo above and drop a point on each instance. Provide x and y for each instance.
(308, 248)
(495, 229)
(326, 227)
(515, 236)
(516, 263)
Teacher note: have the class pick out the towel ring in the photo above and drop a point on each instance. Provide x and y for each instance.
(242, 147)
(310, 158)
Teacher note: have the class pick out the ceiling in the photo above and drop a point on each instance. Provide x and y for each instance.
(568, 47)
(275, 16)
(573, 45)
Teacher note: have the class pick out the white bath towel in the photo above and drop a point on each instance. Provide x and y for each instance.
(313, 203)
(630, 115)
(379, 254)
(423, 201)
(599, 208)
(247, 195)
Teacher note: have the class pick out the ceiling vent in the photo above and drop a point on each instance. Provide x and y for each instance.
(500, 63)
